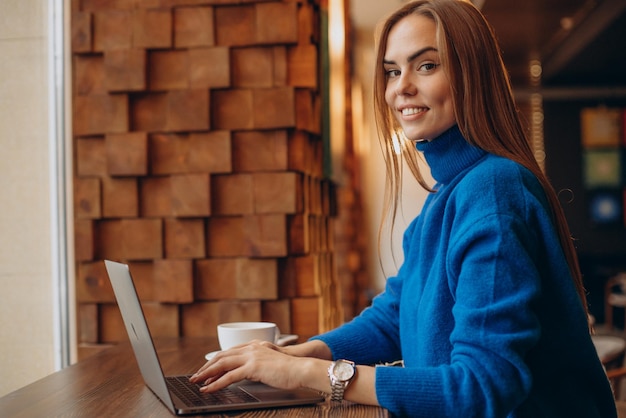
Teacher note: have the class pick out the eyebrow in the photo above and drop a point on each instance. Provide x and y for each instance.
(414, 55)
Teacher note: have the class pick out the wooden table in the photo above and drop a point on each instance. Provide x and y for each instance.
(108, 384)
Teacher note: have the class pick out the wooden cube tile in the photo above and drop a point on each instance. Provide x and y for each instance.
(144, 279)
(92, 283)
(168, 153)
(298, 151)
(87, 323)
(307, 275)
(278, 312)
(286, 279)
(260, 151)
(202, 319)
(305, 317)
(111, 324)
(142, 239)
(84, 246)
(163, 319)
(125, 69)
(226, 236)
(100, 114)
(150, 4)
(273, 108)
(88, 76)
(188, 110)
(190, 195)
(87, 200)
(152, 28)
(252, 67)
(184, 238)
(292, 279)
(303, 66)
(299, 235)
(308, 23)
(112, 29)
(127, 154)
(315, 196)
(173, 280)
(237, 278)
(232, 194)
(193, 27)
(278, 192)
(307, 110)
(314, 234)
(119, 197)
(81, 38)
(149, 112)
(305, 153)
(209, 67)
(109, 240)
(257, 279)
(169, 69)
(266, 235)
(216, 278)
(235, 26)
(234, 311)
(276, 22)
(209, 152)
(233, 109)
(155, 197)
(103, 5)
(130, 239)
(90, 157)
(280, 66)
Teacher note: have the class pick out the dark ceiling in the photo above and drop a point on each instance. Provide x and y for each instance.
(580, 43)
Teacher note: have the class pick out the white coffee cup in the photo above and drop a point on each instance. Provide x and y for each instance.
(234, 333)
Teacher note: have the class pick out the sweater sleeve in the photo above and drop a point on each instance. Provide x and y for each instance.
(373, 336)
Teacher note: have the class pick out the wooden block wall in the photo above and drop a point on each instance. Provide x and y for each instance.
(198, 161)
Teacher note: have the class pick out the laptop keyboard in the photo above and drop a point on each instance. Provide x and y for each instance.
(190, 393)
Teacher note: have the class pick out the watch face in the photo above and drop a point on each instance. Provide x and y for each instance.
(343, 371)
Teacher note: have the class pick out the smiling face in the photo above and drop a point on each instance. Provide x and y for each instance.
(417, 90)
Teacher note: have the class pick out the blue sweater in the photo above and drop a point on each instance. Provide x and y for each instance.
(483, 310)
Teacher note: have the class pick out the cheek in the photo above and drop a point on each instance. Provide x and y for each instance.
(445, 98)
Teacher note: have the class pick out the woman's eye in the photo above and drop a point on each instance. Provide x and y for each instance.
(429, 66)
(392, 73)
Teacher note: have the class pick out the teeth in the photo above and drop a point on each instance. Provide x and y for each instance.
(412, 111)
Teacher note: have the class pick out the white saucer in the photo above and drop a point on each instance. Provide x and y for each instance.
(286, 339)
(283, 339)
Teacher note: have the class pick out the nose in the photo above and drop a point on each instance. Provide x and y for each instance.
(405, 85)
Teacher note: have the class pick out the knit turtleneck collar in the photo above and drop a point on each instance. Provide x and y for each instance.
(449, 154)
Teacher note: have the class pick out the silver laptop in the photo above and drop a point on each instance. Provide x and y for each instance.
(179, 395)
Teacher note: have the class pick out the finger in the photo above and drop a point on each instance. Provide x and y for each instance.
(218, 366)
(201, 373)
(219, 382)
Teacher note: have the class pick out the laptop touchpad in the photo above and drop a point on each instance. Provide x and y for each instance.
(267, 393)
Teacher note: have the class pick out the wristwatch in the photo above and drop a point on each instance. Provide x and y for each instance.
(341, 373)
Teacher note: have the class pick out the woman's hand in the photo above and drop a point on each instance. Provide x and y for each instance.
(259, 361)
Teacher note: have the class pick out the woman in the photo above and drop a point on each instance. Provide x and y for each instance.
(488, 310)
